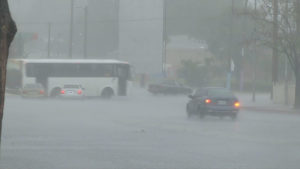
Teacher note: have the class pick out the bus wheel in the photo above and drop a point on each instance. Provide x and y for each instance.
(55, 92)
(107, 93)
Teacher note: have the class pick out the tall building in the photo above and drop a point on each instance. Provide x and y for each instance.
(140, 34)
(103, 28)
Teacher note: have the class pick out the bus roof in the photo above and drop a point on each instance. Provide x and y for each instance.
(105, 61)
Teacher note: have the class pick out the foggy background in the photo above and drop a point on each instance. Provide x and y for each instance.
(187, 43)
(203, 35)
(129, 30)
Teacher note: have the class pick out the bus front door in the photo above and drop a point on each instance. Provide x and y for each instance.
(122, 86)
(123, 74)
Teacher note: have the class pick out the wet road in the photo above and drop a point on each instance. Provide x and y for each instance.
(142, 132)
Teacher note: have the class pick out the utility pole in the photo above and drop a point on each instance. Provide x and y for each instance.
(255, 56)
(275, 46)
(71, 29)
(49, 40)
(85, 32)
(286, 87)
(229, 74)
(241, 70)
(243, 49)
(117, 25)
(164, 49)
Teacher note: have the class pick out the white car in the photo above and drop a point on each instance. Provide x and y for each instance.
(32, 91)
(72, 91)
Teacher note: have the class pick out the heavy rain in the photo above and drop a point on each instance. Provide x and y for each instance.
(149, 84)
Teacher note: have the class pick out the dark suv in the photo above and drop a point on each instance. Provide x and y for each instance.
(213, 101)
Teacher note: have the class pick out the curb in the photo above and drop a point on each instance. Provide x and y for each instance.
(271, 110)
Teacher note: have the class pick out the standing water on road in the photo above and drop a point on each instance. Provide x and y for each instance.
(153, 84)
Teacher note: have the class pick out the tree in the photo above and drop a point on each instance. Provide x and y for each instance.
(288, 38)
(296, 56)
(8, 30)
(201, 74)
(225, 31)
(275, 44)
(193, 73)
(204, 20)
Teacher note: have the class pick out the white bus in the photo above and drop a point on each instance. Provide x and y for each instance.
(103, 78)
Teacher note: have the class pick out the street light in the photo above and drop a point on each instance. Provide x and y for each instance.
(255, 57)
(85, 32)
(71, 29)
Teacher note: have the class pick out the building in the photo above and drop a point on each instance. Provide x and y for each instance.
(140, 34)
(103, 28)
(183, 48)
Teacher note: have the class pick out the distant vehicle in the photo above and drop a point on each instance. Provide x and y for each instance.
(33, 91)
(101, 78)
(72, 91)
(214, 102)
(169, 87)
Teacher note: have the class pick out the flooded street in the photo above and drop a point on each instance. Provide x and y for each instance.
(142, 131)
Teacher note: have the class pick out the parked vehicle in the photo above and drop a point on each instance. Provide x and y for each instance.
(169, 87)
(214, 102)
(33, 90)
(72, 91)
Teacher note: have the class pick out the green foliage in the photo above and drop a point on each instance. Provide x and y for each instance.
(192, 73)
(200, 75)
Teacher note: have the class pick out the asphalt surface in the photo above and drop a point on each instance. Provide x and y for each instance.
(142, 132)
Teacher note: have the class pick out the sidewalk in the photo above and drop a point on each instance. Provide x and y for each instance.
(263, 103)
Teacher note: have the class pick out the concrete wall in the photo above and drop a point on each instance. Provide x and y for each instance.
(279, 94)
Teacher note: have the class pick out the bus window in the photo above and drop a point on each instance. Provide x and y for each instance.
(38, 69)
(103, 70)
(69, 70)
